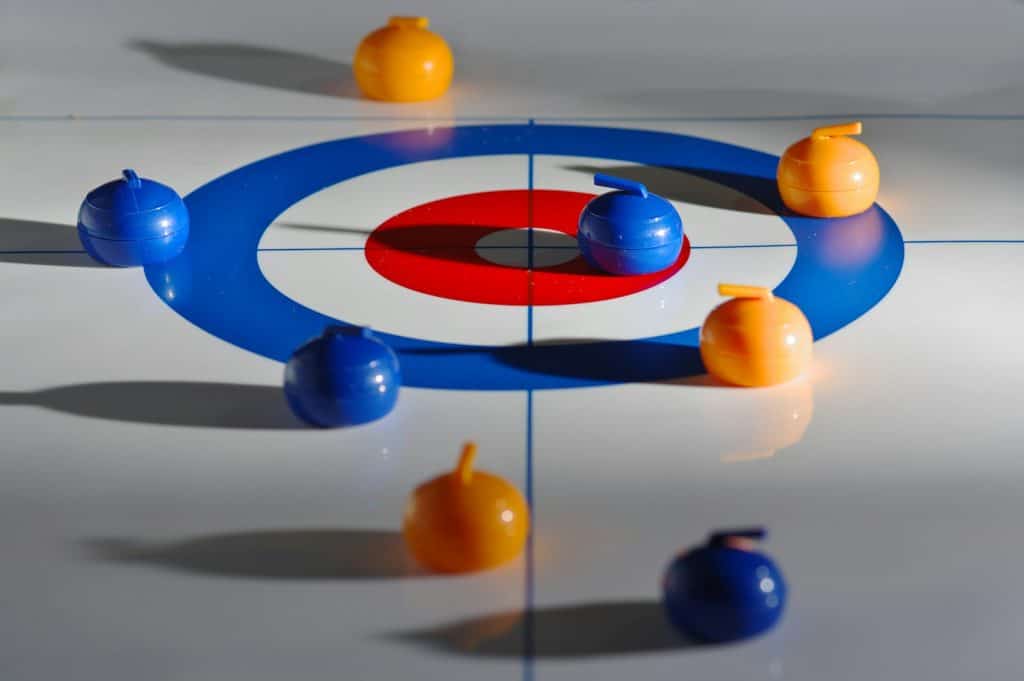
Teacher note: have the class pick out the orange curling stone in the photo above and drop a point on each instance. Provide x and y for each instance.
(403, 62)
(755, 339)
(465, 520)
(829, 175)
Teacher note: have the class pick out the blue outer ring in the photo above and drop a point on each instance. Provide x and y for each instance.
(217, 284)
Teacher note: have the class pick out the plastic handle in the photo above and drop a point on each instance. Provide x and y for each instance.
(409, 22)
(622, 183)
(464, 469)
(742, 291)
(132, 178)
(854, 128)
(723, 537)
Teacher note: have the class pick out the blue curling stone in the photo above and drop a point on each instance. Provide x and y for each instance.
(343, 378)
(629, 231)
(133, 221)
(724, 591)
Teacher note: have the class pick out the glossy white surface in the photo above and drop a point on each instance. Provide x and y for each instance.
(891, 478)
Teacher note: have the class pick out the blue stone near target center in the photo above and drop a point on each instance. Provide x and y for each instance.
(629, 231)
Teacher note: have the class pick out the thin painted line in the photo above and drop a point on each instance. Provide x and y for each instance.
(529, 652)
(44, 118)
(299, 249)
(44, 251)
(979, 242)
(313, 249)
(725, 246)
(529, 448)
(528, 630)
(100, 118)
(532, 248)
(790, 117)
(529, 244)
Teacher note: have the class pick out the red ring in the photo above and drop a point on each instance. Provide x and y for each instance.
(431, 248)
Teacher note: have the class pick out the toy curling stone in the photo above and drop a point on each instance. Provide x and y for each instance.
(725, 590)
(403, 62)
(829, 175)
(755, 339)
(630, 231)
(133, 221)
(465, 520)
(343, 378)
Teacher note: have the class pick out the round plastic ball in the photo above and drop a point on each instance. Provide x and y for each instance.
(725, 590)
(133, 221)
(630, 231)
(829, 175)
(343, 378)
(403, 62)
(465, 520)
(755, 339)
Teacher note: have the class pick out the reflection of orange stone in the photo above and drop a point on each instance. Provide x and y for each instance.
(755, 339)
(769, 423)
(465, 520)
(491, 630)
(403, 62)
(851, 242)
(829, 175)
(416, 142)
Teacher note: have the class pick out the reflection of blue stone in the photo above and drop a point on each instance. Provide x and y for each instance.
(174, 284)
(629, 231)
(234, 301)
(722, 593)
(133, 221)
(343, 378)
